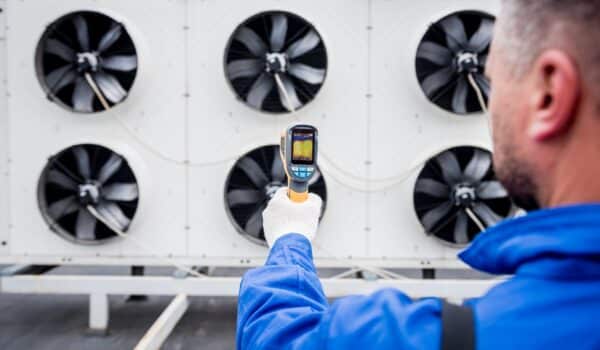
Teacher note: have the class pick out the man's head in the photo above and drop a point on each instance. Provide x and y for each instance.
(544, 68)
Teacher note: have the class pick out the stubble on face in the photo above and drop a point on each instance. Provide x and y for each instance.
(512, 167)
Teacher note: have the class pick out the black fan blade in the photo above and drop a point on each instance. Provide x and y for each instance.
(491, 190)
(461, 228)
(85, 226)
(478, 166)
(236, 198)
(58, 178)
(112, 213)
(59, 49)
(456, 37)
(433, 188)
(484, 84)
(254, 172)
(459, 100)
(83, 162)
(110, 87)
(252, 41)
(437, 80)
(259, 91)
(306, 73)
(304, 45)
(290, 94)
(122, 192)
(111, 166)
(483, 60)
(486, 214)
(63, 207)
(254, 224)
(450, 167)
(122, 63)
(482, 38)
(110, 37)
(433, 217)
(61, 77)
(245, 68)
(279, 31)
(277, 171)
(83, 97)
(435, 53)
(316, 177)
(83, 36)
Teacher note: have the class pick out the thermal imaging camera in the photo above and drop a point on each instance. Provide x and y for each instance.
(299, 156)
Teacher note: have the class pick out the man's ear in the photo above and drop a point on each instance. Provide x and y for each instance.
(556, 96)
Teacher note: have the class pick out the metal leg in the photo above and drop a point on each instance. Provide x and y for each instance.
(164, 325)
(99, 314)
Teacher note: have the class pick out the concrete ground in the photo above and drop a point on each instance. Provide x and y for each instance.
(52, 322)
(60, 322)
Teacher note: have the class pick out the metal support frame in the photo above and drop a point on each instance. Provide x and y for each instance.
(99, 288)
(99, 314)
(164, 324)
(228, 286)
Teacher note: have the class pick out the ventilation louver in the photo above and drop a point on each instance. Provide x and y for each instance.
(252, 182)
(85, 175)
(276, 43)
(457, 187)
(451, 49)
(84, 45)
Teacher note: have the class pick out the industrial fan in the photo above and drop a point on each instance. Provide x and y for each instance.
(270, 44)
(457, 195)
(82, 176)
(252, 182)
(84, 46)
(451, 50)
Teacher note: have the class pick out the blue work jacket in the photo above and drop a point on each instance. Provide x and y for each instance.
(551, 302)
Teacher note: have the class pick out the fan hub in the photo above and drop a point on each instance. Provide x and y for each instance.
(89, 193)
(467, 62)
(276, 63)
(464, 195)
(87, 62)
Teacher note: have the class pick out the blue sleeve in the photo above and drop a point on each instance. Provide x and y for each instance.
(282, 306)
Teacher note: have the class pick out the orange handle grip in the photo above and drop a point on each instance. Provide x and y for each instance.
(297, 197)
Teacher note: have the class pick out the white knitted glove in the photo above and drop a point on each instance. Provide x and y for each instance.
(283, 216)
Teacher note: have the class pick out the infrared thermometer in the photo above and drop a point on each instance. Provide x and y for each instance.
(299, 146)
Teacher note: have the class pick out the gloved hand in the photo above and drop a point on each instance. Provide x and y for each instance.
(283, 216)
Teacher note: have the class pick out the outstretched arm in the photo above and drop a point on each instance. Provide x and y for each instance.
(282, 306)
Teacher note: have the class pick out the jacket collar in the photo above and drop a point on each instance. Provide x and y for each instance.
(562, 242)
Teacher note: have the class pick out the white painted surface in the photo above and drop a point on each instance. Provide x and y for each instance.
(371, 47)
(4, 238)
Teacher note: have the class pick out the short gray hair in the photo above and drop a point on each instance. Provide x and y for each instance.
(528, 27)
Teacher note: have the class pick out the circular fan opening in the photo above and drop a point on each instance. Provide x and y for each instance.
(87, 175)
(83, 49)
(273, 43)
(457, 187)
(452, 49)
(252, 182)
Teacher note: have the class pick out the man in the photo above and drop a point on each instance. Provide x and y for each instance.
(544, 68)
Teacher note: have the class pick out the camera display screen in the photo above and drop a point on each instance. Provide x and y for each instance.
(303, 147)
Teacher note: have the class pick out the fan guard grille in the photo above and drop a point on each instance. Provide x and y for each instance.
(252, 182)
(451, 49)
(85, 175)
(86, 42)
(276, 42)
(451, 182)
